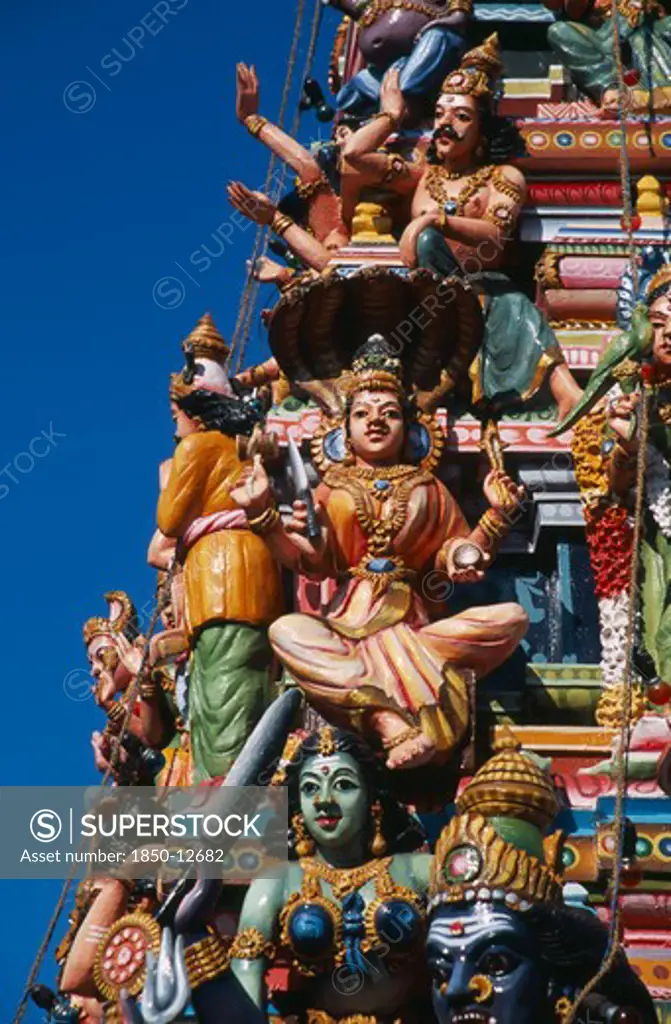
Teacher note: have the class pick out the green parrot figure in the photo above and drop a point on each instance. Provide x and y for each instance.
(633, 345)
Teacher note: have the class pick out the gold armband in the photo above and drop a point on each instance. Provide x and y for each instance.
(266, 522)
(254, 123)
(308, 189)
(396, 168)
(281, 223)
(500, 216)
(506, 187)
(251, 944)
(494, 525)
(206, 959)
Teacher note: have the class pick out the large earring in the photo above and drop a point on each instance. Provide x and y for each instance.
(563, 1007)
(378, 844)
(482, 986)
(303, 843)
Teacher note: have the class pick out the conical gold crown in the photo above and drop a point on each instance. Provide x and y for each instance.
(479, 71)
(206, 341)
(511, 785)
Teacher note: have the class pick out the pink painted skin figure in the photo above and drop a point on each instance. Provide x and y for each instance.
(114, 652)
(330, 209)
(324, 207)
(374, 661)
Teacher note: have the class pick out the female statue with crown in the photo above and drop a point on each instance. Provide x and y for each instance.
(374, 661)
(348, 911)
(465, 206)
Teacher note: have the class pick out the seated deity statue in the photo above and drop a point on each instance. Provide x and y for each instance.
(347, 913)
(375, 661)
(583, 38)
(503, 947)
(465, 205)
(423, 41)
(231, 584)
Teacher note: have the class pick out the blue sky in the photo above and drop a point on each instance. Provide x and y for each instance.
(114, 174)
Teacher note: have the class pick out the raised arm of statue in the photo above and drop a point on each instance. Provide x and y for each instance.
(362, 150)
(277, 140)
(107, 907)
(262, 210)
(262, 906)
(287, 540)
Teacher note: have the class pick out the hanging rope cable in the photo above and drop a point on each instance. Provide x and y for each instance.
(115, 754)
(621, 753)
(239, 341)
(250, 282)
(262, 237)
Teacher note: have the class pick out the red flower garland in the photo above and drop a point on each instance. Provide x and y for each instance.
(610, 536)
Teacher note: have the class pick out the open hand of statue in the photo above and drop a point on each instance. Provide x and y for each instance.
(464, 561)
(297, 526)
(252, 492)
(254, 205)
(622, 418)
(391, 97)
(246, 91)
(502, 493)
(267, 271)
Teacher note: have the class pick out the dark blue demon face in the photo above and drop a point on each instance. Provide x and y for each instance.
(485, 969)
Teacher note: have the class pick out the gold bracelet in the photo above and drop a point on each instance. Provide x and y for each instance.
(494, 525)
(206, 959)
(251, 944)
(281, 223)
(116, 713)
(266, 522)
(308, 189)
(254, 123)
(393, 121)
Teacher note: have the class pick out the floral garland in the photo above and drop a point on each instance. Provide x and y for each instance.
(609, 531)
(658, 489)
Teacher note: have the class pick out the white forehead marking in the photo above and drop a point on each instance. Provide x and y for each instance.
(472, 928)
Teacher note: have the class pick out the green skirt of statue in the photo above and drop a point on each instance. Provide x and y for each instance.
(588, 52)
(519, 347)
(229, 689)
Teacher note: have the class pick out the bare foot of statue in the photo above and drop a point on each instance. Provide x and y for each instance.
(407, 745)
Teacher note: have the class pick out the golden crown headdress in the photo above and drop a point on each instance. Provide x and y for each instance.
(204, 342)
(98, 625)
(661, 281)
(479, 859)
(374, 368)
(478, 73)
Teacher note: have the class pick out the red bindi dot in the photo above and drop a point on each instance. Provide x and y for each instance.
(324, 769)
